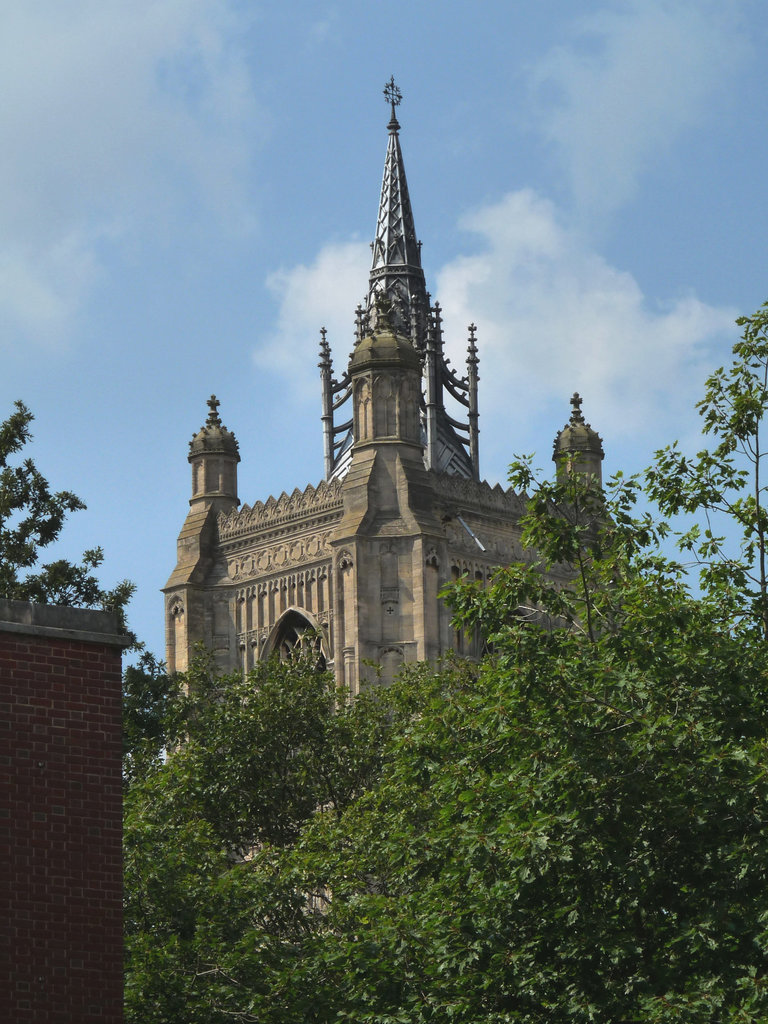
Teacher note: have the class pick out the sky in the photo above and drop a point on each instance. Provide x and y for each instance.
(189, 189)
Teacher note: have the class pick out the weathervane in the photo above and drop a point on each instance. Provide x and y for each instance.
(393, 96)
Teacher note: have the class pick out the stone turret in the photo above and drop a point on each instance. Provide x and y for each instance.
(191, 613)
(214, 455)
(388, 521)
(385, 371)
(578, 448)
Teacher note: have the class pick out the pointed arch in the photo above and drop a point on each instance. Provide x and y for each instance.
(297, 631)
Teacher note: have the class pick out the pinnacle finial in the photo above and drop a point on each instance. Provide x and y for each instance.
(394, 97)
(383, 307)
(577, 415)
(472, 345)
(214, 420)
(325, 350)
(359, 314)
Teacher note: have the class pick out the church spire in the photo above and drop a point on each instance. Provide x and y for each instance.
(396, 271)
(450, 445)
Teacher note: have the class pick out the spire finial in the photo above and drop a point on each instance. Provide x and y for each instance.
(214, 419)
(394, 97)
(577, 415)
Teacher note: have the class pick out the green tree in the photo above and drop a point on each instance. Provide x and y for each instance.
(726, 485)
(215, 916)
(573, 830)
(31, 518)
(154, 715)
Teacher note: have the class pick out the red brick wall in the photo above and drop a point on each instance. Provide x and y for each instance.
(60, 830)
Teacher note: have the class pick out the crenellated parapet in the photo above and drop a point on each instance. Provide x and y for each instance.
(478, 494)
(325, 499)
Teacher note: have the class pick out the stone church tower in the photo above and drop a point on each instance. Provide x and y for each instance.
(353, 567)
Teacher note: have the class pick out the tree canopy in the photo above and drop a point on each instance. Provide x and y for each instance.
(209, 827)
(572, 830)
(31, 518)
(725, 486)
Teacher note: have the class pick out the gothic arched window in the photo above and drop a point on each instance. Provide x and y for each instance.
(294, 635)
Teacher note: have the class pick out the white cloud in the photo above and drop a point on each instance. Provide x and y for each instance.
(554, 317)
(117, 116)
(323, 294)
(638, 74)
(41, 288)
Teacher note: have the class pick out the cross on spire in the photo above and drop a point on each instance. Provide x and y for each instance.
(392, 94)
(576, 415)
(213, 416)
(394, 97)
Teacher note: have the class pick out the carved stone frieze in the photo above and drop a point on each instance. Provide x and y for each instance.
(312, 574)
(278, 557)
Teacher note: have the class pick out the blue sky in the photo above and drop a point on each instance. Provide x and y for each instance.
(189, 188)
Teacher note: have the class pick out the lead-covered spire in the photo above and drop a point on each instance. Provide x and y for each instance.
(396, 271)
